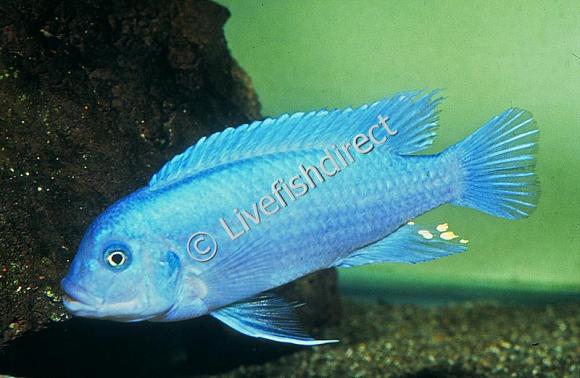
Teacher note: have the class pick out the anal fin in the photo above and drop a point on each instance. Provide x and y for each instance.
(409, 244)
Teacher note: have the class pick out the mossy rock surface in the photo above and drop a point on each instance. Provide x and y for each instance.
(95, 96)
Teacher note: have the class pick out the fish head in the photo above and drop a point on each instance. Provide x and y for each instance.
(121, 274)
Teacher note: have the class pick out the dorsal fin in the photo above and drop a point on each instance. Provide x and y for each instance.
(413, 117)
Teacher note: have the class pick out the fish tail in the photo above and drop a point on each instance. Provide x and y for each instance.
(496, 165)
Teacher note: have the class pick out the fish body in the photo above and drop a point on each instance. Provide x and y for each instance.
(249, 209)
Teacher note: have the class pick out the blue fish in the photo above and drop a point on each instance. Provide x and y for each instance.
(254, 207)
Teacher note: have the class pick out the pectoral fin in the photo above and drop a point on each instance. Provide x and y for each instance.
(268, 317)
(409, 244)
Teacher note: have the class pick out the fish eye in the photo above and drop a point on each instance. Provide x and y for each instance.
(116, 258)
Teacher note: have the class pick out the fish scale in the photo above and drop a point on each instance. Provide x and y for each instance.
(338, 226)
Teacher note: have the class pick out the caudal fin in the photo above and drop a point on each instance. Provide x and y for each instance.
(498, 162)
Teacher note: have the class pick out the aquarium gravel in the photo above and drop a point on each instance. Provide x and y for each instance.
(460, 340)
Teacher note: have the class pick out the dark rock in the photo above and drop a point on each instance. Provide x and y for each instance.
(94, 97)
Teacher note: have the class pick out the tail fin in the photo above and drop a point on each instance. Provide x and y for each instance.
(498, 166)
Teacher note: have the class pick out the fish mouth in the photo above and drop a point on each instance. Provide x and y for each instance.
(78, 300)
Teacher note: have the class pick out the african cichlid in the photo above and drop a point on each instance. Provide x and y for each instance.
(252, 208)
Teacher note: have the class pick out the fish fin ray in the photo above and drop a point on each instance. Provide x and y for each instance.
(409, 244)
(269, 317)
(245, 267)
(498, 156)
(412, 114)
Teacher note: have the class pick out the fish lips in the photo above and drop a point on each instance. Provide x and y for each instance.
(80, 302)
(77, 300)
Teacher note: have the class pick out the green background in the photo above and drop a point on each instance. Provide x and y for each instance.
(487, 56)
